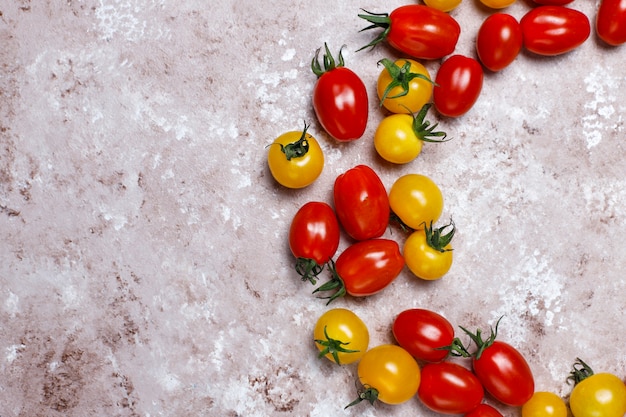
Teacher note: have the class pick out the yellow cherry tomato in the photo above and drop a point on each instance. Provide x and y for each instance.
(596, 395)
(497, 4)
(416, 200)
(443, 5)
(388, 373)
(295, 159)
(428, 252)
(404, 86)
(544, 404)
(341, 336)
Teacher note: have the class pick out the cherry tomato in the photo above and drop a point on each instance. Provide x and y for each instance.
(339, 98)
(449, 388)
(484, 410)
(389, 374)
(502, 370)
(544, 404)
(422, 333)
(417, 30)
(428, 252)
(295, 159)
(596, 395)
(416, 200)
(313, 238)
(443, 5)
(404, 86)
(364, 268)
(341, 336)
(399, 137)
(458, 84)
(499, 41)
(361, 203)
(497, 4)
(611, 22)
(554, 30)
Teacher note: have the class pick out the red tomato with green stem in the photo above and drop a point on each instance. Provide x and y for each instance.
(417, 30)
(423, 333)
(458, 84)
(554, 30)
(339, 98)
(611, 22)
(502, 369)
(499, 41)
(364, 268)
(449, 388)
(484, 410)
(361, 203)
(313, 238)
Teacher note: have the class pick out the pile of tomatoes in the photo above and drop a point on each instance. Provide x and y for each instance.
(428, 361)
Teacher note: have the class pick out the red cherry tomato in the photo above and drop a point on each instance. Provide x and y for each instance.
(421, 332)
(554, 30)
(449, 388)
(364, 268)
(457, 85)
(417, 30)
(484, 410)
(499, 41)
(339, 98)
(611, 21)
(361, 203)
(313, 238)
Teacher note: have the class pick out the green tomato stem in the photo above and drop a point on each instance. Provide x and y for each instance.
(329, 61)
(308, 269)
(477, 338)
(333, 346)
(370, 394)
(298, 148)
(436, 239)
(400, 77)
(580, 373)
(377, 20)
(335, 283)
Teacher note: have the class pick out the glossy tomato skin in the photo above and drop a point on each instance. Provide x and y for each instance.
(449, 388)
(416, 199)
(361, 203)
(600, 395)
(544, 404)
(554, 30)
(611, 22)
(368, 266)
(347, 329)
(314, 233)
(423, 32)
(297, 171)
(499, 41)
(505, 374)
(458, 84)
(422, 332)
(423, 260)
(484, 410)
(419, 90)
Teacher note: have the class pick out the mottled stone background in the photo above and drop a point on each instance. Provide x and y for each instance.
(144, 266)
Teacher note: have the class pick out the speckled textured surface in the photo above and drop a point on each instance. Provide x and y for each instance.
(144, 266)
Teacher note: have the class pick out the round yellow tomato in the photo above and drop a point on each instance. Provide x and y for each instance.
(428, 252)
(416, 200)
(341, 336)
(443, 5)
(388, 373)
(497, 4)
(295, 159)
(404, 86)
(544, 404)
(598, 395)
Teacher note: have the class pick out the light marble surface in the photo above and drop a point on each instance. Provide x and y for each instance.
(144, 266)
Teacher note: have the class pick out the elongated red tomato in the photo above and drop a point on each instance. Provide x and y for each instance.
(554, 30)
(339, 98)
(499, 41)
(313, 238)
(458, 84)
(484, 410)
(419, 31)
(422, 333)
(361, 203)
(449, 388)
(611, 21)
(364, 268)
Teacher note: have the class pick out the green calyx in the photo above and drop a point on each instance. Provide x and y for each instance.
(400, 77)
(333, 346)
(437, 239)
(370, 394)
(308, 269)
(477, 338)
(298, 148)
(335, 284)
(580, 372)
(422, 128)
(329, 61)
(377, 20)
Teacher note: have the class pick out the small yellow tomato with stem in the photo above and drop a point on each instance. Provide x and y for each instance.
(416, 200)
(341, 336)
(596, 395)
(403, 86)
(428, 252)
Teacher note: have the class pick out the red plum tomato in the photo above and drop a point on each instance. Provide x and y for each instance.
(449, 388)
(458, 84)
(554, 30)
(499, 41)
(422, 333)
(611, 22)
(484, 410)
